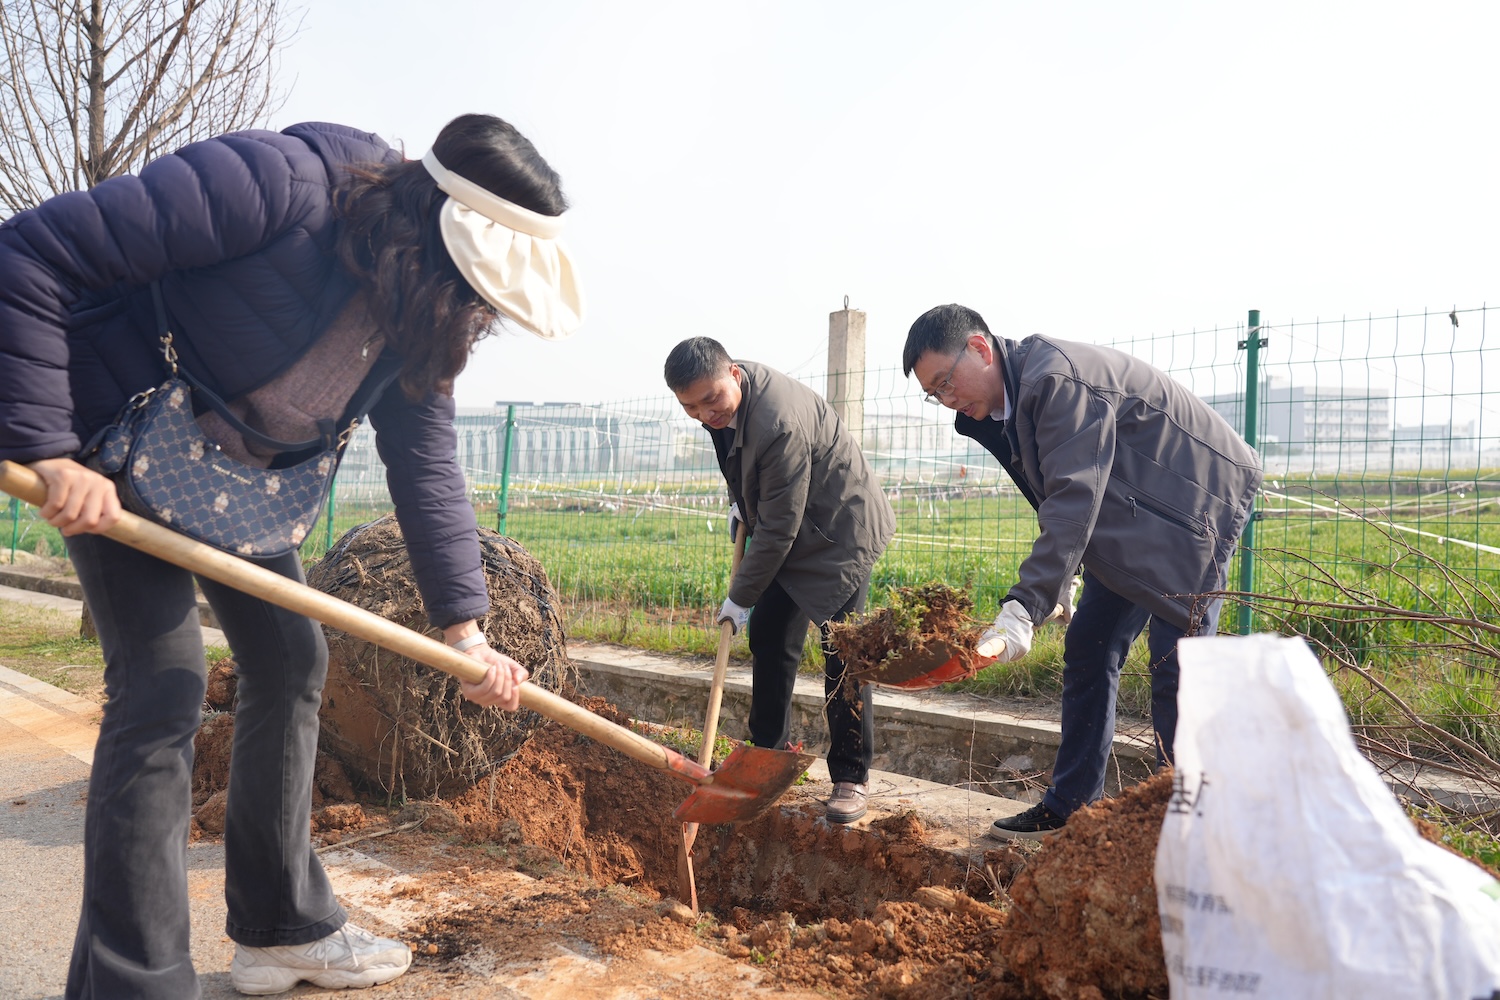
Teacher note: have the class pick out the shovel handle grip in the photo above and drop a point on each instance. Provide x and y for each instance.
(215, 564)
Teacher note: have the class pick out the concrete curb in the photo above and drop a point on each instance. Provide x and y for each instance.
(952, 739)
(73, 590)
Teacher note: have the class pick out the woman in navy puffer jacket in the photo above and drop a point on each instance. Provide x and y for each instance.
(290, 264)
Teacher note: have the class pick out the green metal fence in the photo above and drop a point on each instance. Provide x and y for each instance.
(1378, 440)
(1377, 535)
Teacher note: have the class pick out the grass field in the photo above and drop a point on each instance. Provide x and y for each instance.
(647, 565)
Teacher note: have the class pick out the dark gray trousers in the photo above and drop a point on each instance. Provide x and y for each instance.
(776, 632)
(1094, 649)
(133, 930)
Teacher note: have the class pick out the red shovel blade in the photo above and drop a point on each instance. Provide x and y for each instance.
(953, 669)
(916, 670)
(748, 783)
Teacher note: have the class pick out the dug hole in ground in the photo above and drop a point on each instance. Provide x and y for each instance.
(566, 846)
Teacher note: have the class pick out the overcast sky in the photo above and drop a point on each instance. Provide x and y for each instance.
(1091, 170)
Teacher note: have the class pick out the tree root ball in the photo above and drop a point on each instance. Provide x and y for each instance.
(405, 727)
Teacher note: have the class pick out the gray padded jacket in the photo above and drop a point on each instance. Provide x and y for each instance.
(811, 501)
(1132, 476)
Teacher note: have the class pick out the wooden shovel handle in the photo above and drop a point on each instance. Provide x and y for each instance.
(721, 661)
(205, 560)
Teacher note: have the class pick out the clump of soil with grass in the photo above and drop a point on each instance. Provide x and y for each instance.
(405, 727)
(917, 631)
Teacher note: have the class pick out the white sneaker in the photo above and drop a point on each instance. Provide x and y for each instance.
(349, 958)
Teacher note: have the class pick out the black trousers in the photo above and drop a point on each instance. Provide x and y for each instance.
(132, 941)
(777, 630)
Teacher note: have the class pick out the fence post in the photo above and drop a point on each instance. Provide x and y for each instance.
(845, 388)
(1252, 344)
(328, 530)
(502, 508)
(15, 527)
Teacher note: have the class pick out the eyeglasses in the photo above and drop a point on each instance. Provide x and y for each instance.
(944, 388)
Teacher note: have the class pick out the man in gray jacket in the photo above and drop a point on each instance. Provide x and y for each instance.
(1135, 479)
(818, 522)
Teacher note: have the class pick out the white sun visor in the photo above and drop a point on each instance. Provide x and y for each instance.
(510, 255)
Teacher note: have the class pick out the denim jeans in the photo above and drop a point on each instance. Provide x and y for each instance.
(776, 632)
(1103, 628)
(132, 937)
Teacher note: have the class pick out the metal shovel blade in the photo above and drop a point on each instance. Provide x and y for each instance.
(748, 783)
(938, 662)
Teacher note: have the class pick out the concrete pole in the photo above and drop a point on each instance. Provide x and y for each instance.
(845, 390)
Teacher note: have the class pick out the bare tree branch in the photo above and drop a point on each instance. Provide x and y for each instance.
(92, 89)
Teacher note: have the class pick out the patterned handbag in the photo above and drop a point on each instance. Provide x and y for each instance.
(167, 470)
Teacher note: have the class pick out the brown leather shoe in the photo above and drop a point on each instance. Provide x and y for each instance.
(848, 801)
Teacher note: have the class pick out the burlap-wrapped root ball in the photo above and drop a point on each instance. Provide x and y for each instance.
(404, 726)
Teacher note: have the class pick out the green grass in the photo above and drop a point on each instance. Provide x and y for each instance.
(1464, 837)
(684, 739)
(647, 564)
(44, 643)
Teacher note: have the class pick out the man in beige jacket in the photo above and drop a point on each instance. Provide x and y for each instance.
(818, 521)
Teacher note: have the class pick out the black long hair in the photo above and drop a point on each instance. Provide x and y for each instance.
(425, 309)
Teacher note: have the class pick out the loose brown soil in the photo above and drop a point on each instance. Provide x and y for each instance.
(1083, 914)
(847, 912)
(526, 836)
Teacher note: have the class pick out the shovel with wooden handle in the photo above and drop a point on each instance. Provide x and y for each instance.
(748, 782)
(687, 887)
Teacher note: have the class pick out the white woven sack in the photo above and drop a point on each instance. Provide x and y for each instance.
(1285, 867)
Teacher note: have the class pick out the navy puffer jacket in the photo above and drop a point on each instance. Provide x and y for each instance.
(241, 232)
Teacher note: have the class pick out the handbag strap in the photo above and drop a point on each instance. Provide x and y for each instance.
(381, 375)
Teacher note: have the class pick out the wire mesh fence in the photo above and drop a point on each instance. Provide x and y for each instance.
(1377, 536)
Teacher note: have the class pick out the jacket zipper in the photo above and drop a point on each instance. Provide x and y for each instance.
(1166, 515)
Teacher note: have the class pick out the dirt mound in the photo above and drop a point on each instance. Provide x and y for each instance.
(863, 911)
(1083, 921)
(404, 727)
(792, 860)
(903, 949)
(223, 683)
(590, 808)
(917, 632)
(211, 752)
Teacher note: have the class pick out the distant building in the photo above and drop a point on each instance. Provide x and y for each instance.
(924, 446)
(1435, 446)
(1313, 420)
(1302, 428)
(562, 440)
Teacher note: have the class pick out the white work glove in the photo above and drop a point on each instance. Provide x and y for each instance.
(1010, 638)
(734, 519)
(734, 614)
(1064, 611)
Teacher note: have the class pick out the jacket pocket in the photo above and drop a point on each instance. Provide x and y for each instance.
(1146, 550)
(1138, 504)
(818, 535)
